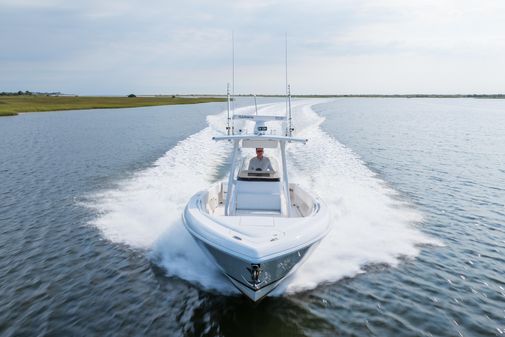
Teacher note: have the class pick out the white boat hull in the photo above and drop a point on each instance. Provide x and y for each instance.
(270, 273)
(255, 265)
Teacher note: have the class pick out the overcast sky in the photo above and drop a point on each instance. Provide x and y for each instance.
(150, 47)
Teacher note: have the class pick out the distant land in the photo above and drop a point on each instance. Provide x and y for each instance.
(12, 103)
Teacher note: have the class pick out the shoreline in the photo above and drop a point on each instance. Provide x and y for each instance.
(13, 105)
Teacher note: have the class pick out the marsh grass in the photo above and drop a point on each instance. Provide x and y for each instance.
(12, 105)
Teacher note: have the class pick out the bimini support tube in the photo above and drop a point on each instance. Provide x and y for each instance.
(285, 177)
(231, 184)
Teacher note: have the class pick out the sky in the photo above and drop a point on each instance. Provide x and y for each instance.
(117, 47)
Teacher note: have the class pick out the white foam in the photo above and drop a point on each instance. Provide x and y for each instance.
(369, 224)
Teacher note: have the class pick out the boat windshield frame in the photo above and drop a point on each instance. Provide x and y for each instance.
(249, 175)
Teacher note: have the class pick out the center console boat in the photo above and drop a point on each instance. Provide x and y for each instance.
(257, 226)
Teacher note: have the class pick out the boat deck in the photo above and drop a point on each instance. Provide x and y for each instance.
(295, 212)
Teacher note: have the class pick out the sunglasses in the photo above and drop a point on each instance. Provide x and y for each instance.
(259, 150)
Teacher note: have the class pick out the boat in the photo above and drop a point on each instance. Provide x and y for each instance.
(256, 225)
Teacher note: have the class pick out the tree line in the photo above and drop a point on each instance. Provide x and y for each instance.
(27, 93)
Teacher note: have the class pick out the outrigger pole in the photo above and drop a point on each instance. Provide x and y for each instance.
(228, 128)
(290, 118)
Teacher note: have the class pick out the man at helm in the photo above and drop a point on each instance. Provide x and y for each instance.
(260, 163)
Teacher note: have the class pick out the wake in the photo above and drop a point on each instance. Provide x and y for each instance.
(369, 223)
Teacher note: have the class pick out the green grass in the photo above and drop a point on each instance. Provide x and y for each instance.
(12, 105)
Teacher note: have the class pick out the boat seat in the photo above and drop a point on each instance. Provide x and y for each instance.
(258, 196)
(259, 201)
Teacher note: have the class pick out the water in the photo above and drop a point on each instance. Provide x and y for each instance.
(91, 240)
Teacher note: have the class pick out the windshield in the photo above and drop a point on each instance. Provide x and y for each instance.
(245, 163)
(258, 174)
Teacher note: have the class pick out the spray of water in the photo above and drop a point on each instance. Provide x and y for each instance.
(369, 223)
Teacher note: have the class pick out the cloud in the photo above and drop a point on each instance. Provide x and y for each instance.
(185, 46)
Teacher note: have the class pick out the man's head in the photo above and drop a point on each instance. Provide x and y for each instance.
(259, 152)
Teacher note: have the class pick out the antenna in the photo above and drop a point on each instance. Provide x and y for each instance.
(256, 105)
(289, 127)
(286, 66)
(288, 95)
(233, 76)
